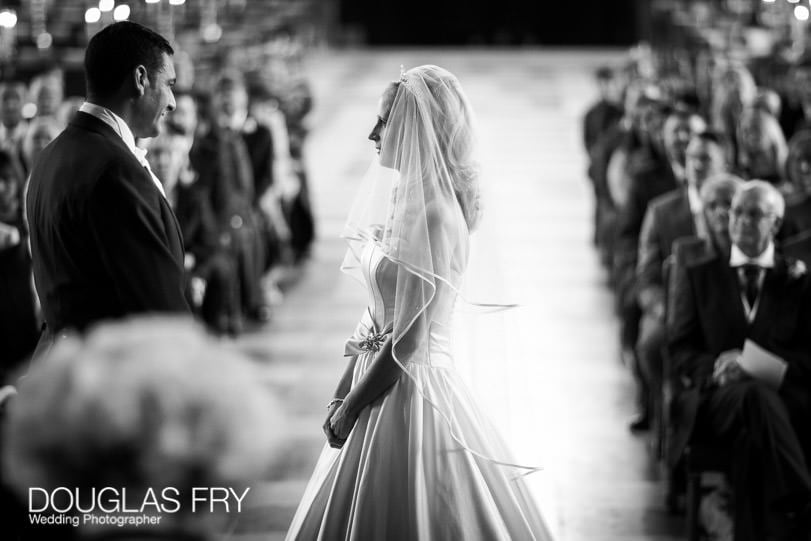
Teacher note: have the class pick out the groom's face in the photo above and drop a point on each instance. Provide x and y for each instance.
(156, 100)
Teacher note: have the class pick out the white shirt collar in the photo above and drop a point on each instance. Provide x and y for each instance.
(679, 172)
(123, 130)
(235, 122)
(694, 199)
(14, 135)
(765, 260)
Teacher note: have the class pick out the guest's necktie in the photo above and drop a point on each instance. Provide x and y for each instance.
(751, 277)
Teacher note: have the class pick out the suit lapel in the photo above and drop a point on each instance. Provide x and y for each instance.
(173, 225)
(730, 305)
(682, 224)
(769, 298)
(85, 121)
(683, 216)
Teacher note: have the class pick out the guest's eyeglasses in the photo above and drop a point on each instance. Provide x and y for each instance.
(754, 215)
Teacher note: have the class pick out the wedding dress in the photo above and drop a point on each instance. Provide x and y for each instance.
(422, 462)
(401, 474)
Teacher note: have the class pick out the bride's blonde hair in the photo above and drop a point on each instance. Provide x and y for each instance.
(451, 119)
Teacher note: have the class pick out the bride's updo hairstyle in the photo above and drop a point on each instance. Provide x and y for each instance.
(444, 131)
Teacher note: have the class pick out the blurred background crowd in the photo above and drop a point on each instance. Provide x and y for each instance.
(716, 102)
(231, 156)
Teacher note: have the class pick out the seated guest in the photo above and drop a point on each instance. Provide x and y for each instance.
(762, 149)
(288, 124)
(147, 404)
(647, 172)
(47, 91)
(605, 113)
(642, 153)
(679, 127)
(716, 195)
(798, 200)
(234, 114)
(40, 132)
(735, 92)
(213, 283)
(613, 142)
(796, 117)
(668, 217)
(19, 331)
(769, 101)
(757, 410)
(12, 124)
(601, 118)
(222, 162)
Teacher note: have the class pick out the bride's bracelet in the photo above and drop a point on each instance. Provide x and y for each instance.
(334, 401)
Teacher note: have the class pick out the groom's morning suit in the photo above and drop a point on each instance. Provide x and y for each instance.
(761, 428)
(105, 243)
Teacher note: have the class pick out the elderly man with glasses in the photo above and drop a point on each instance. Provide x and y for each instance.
(741, 342)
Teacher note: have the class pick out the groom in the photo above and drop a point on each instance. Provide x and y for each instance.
(104, 241)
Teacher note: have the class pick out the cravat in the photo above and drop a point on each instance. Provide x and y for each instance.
(751, 277)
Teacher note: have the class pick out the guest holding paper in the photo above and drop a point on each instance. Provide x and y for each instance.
(741, 344)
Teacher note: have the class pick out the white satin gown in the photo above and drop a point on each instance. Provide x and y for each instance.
(401, 475)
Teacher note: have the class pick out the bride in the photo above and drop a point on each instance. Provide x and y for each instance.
(410, 456)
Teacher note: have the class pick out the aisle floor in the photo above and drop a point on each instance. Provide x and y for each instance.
(563, 398)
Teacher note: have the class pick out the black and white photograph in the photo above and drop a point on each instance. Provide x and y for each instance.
(436, 270)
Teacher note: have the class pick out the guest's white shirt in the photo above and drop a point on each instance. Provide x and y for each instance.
(765, 261)
(14, 136)
(120, 127)
(697, 210)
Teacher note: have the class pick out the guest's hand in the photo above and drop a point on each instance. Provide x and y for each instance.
(733, 373)
(727, 369)
(341, 424)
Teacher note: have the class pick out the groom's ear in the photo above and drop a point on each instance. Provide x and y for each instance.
(140, 79)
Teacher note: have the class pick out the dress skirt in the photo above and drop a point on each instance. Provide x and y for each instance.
(401, 475)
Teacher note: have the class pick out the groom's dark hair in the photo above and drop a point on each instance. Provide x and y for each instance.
(116, 50)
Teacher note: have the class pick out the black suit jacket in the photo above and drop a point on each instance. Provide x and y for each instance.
(668, 218)
(104, 241)
(797, 219)
(259, 143)
(710, 319)
(651, 176)
(599, 118)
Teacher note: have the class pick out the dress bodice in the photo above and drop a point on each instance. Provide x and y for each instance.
(380, 277)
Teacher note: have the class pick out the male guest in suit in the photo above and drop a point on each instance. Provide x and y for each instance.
(606, 112)
(754, 294)
(670, 216)
(104, 240)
